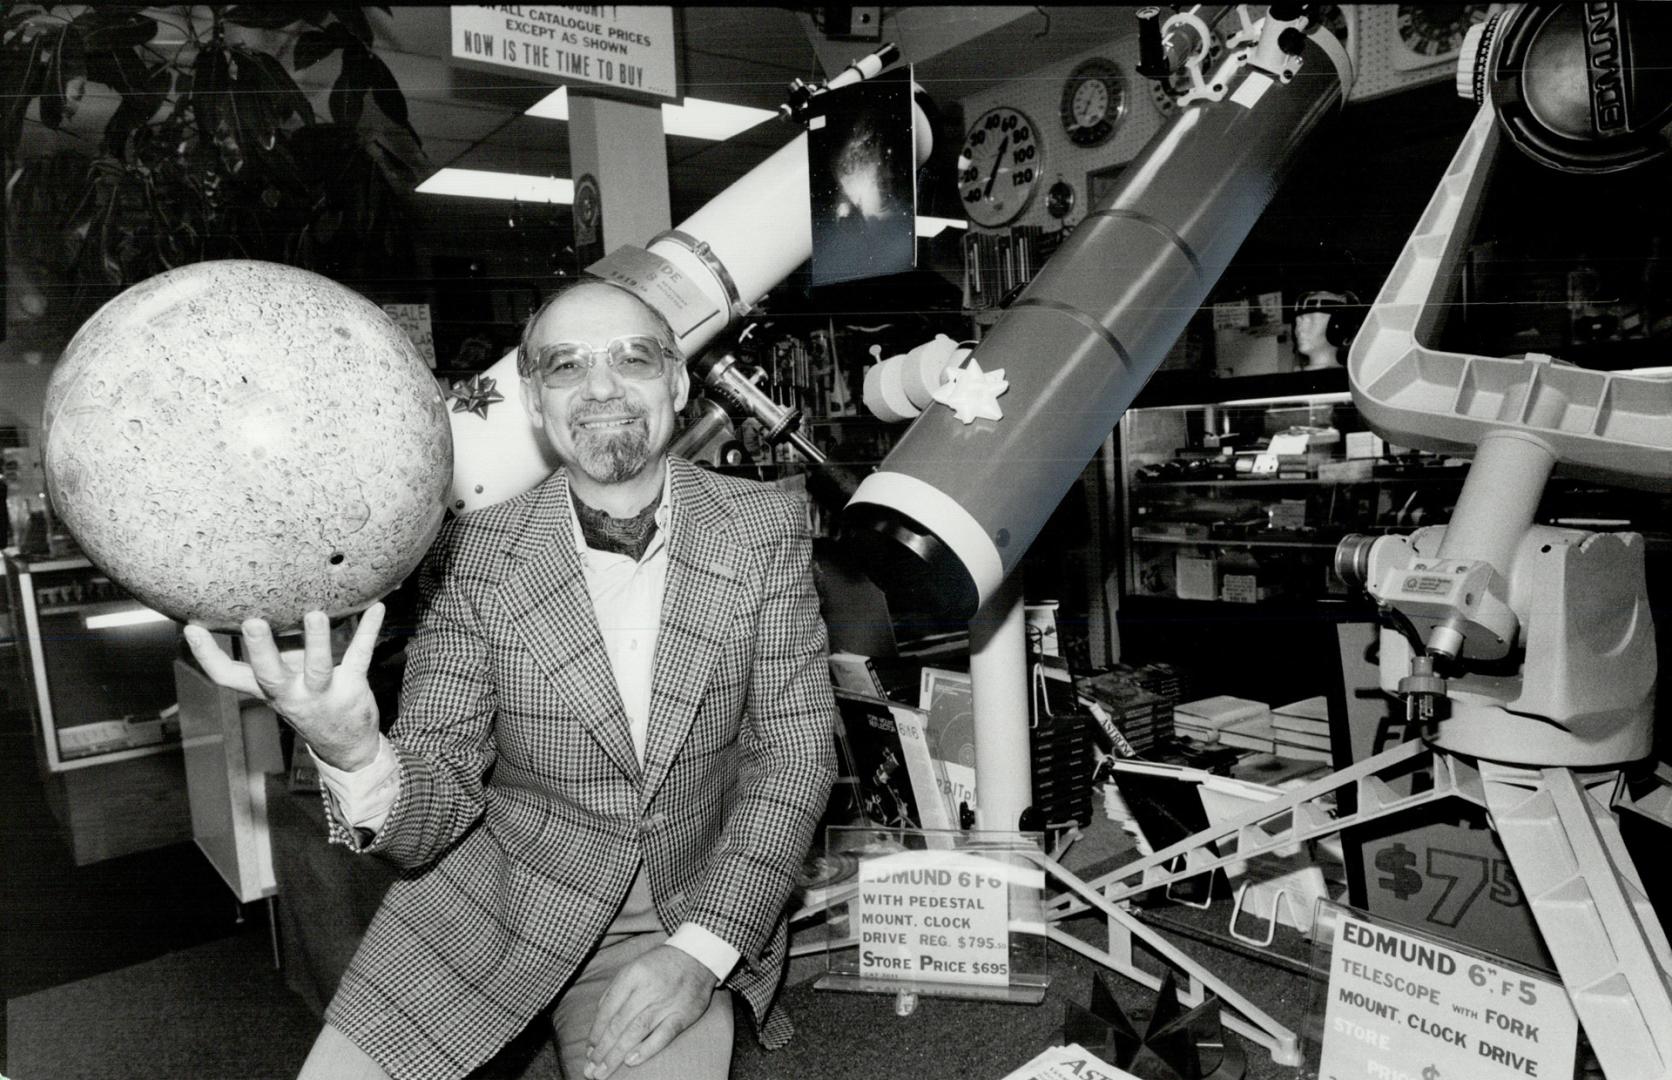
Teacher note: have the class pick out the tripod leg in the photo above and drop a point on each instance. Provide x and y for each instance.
(1564, 843)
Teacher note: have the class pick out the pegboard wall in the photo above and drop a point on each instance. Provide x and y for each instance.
(1373, 40)
(1383, 64)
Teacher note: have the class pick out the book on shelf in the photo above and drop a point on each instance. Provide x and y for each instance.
(1302, 738)
(1276, 771)
(1312, 708)
(1204, 719)
(888, 756)
(856, 673)
(1254, 733)
(1303, 753)
(946, 699)
(1303, 724)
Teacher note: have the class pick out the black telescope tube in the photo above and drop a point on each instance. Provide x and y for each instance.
(950, 512)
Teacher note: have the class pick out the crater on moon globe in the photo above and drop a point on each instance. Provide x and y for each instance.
(242, 439)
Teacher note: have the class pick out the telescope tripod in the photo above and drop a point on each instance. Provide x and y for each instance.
(1560, 829)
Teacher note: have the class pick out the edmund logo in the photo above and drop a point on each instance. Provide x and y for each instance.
(1604, 64)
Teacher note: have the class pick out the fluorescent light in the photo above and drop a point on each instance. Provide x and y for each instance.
(481, 184)
(131, 617)
(717, 120)
(696, 119)
(930, 227)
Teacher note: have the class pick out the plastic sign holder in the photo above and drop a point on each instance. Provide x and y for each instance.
(1398, 1002)
(940, 913)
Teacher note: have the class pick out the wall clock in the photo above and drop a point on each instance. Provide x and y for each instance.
(1000, 166)
(1429, 33)
(1093, 102)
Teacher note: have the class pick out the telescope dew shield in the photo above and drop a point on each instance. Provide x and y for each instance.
(951, 511)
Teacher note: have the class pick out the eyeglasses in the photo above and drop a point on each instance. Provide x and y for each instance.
(564, 364)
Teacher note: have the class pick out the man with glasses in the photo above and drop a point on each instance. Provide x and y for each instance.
(613, 744)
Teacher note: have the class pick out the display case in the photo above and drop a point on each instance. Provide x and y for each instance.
(96, 663)
(97, 670)
(1243, 499)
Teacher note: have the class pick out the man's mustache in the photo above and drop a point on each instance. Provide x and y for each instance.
(581, 415)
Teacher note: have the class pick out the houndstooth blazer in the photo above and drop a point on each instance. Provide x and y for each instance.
(523, 810)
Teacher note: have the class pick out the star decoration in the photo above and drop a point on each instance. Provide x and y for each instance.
(970, 392)
(1176, 1044)
(475, 394)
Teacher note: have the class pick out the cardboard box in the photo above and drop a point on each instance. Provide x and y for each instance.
(1364, 444)
(1197, 578)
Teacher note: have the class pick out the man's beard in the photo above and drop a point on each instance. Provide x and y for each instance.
(612, 455)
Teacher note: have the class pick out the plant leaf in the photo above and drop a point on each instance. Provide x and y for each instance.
(108, 28)
(312, 46)
(348, 94)
(66, 62)
(387, 92)
(26, 60)
(18, 16)
(354, 20)
(262, 16)
(286, 98)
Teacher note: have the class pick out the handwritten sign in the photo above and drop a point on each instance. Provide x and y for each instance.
(414, 319)
(624, 47)
(936, 915)
(1406, 1007)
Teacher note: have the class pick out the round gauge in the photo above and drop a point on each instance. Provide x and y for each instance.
(1059, 199)
(1000, 166)
(1093, 102)
(1430, 32)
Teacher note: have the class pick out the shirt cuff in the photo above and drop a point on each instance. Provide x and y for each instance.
(708, 949)
(364, 796)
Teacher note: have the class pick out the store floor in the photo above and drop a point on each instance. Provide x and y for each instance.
(139, 967)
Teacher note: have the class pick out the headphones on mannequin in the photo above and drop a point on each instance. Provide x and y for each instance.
(1345, 313)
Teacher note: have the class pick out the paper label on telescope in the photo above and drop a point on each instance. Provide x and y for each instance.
(660, 283)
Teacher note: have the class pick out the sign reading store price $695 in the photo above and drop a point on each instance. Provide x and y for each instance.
(623, 47)
(934, 915)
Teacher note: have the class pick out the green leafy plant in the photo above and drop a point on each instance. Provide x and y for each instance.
(212, 149)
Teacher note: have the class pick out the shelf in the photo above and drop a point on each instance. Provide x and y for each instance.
(1451, 475)
(1209, 541)
(1173, 388)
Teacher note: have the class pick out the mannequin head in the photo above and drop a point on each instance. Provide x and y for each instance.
(1324, 325)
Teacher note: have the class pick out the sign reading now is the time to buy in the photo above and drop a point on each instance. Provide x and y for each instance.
(1406, 1007)
(936, 915)
(624, 47)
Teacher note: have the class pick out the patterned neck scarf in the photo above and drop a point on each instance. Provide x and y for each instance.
(620, 536)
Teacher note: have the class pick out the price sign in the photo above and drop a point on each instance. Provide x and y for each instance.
(1403, 1006)
(626, 47)
(936, 915)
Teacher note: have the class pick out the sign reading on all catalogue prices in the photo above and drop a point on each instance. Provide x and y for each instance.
(625, 47)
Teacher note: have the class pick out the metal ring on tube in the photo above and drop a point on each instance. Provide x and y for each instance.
(706, 256)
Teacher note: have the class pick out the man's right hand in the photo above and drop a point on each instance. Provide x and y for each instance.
(331, 708)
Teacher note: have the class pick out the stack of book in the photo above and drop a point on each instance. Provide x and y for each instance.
(1253, 733)
(1140, 716)
(1204, 720)
(1302, 729)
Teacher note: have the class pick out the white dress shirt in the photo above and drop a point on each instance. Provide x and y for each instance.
(627, 601)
